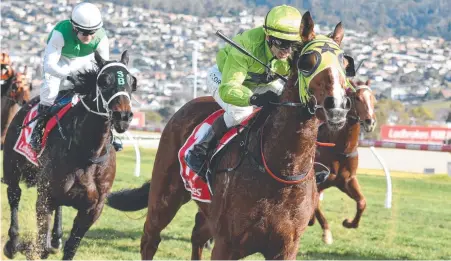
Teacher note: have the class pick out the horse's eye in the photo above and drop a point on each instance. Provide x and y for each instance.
(308, 62)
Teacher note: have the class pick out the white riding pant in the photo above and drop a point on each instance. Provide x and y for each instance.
(52, 85)
(234, 115)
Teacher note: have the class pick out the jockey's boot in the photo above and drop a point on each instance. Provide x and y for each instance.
(321, 176)
(36, 135)
(117, 145)
(198, 155)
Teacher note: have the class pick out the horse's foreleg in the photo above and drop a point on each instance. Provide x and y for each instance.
(82, 222)
(44, 217)
(200, 236)
(165, 199)
(289, 251)
(223, 251)
(14, 192)
(57, 232)
(352, 188)
(327, 233)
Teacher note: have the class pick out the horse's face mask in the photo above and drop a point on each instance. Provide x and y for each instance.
(322, 70)
(115, 85)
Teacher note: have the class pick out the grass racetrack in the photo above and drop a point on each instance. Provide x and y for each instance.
(416, 227)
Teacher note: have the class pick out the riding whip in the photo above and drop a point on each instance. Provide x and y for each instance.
(244, 51)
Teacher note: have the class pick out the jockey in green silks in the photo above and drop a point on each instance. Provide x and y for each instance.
(237, 82)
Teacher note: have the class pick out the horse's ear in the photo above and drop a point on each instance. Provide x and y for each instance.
(124, 57)
(306, 28)
(100, 61)
(131, 80)
(367, 83)
(338, 33)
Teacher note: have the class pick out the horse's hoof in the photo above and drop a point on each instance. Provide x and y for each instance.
(327, 237)
(349, 224)
(311, 222)
(56, 246)
(9, 250)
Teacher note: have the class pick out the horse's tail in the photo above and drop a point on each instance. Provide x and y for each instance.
(130, 199)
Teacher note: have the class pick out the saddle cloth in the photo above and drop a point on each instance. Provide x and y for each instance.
(23, 146)
(199, 189)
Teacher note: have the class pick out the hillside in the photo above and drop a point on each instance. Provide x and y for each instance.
(417, 18)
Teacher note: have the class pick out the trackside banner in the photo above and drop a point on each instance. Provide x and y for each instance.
(415, 134)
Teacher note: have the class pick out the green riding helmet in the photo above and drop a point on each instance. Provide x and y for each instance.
(283, 22)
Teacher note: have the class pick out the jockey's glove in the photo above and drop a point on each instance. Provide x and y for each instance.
(263, 99)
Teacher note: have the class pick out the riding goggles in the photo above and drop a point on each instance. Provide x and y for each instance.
(280, 43)
(85, 32)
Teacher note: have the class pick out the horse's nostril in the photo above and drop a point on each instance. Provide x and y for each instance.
(329, 102)
(122, 115)
(369, 121)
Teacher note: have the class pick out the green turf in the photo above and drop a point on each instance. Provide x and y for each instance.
(416, 227)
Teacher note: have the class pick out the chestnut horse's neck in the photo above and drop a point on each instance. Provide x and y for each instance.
(346, 140)
(290, 135)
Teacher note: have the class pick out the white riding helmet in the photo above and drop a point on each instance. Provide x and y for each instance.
(86, 16)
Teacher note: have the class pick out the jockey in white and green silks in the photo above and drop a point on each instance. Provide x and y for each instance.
(70, 49)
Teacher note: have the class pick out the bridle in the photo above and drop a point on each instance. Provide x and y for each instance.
(101, 102)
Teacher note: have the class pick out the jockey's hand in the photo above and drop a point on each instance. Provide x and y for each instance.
(70, 79)
(263, 99)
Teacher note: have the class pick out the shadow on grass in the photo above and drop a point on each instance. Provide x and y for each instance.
(113, 234)
(105, 236)
(357, 255)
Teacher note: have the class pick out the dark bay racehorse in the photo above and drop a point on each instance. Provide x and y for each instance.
(77, 170)
(343, 159)
(16, 93)
(252, 210)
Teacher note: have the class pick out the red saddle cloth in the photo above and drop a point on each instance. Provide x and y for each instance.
(193, 183)
(23, 146)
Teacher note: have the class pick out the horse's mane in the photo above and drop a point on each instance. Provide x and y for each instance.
(85, 82)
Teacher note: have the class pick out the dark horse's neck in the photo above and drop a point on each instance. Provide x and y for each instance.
(91, 133)
(6, 108)
(290, 135)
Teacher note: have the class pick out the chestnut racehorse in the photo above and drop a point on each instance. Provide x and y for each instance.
(16, 93)
(343, 159)
(265, 203)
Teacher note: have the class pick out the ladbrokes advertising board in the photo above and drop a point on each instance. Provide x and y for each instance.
(415, 134)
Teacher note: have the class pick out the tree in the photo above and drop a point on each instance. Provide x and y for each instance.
(421, 115)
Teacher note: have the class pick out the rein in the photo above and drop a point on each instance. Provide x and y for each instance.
(289, 180)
